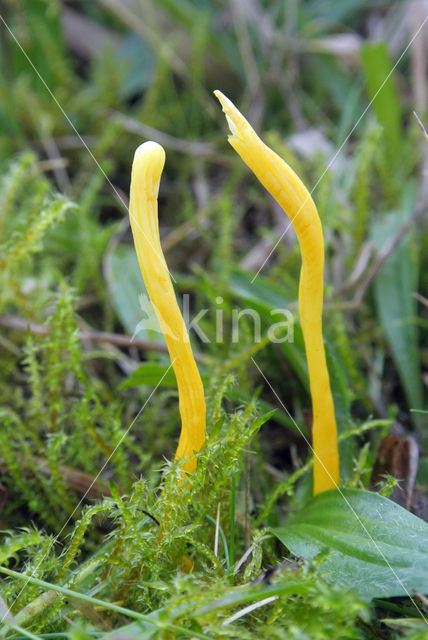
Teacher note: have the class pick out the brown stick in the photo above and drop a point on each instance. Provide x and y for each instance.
(417, 296)
(81, 482)
(19, 324)
(386, 251)
(194, 148)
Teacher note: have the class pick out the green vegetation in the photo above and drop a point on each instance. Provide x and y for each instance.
(99, 539)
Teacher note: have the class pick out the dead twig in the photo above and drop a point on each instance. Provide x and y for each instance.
(421, 125)
(387, 250)
(81, 482)
(417, 14)
(57, 165)
(361, 263)
(419, 298)
(422, 598)
(19, 324)
(189, 147)
(85, 36)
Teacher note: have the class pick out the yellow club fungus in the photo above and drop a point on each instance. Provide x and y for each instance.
(291, 194)
(149, 160)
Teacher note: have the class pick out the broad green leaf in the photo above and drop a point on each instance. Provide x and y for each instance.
(153, 374)
(330, 12)
(129, 294)
(381, 89)
(139, 61)
(367, 543)
(262, 294)
(396, 307)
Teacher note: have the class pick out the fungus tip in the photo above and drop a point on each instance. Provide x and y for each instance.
(236, 121)
(151, 152)
(149, 155)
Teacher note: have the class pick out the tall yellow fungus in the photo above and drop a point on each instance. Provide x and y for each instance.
(291, 194)
(149, 160)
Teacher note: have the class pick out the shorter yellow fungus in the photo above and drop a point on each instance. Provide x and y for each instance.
(291, 194)
(149, 160)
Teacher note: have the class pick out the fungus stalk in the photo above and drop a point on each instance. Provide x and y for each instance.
(291, 194)
(147, 168)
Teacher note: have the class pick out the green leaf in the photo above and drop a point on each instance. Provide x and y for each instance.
(262, 294)
(366, 542)
(139, 60)
(381, 89)
(153, 374)
(396, 307)
(330, 12)
(129, 294)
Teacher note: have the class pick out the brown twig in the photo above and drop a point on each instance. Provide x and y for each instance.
(19, 324)
(361, 264)
(186, 230)
(417, 296)
(84, 36)
(81, 482)
(418, 63)
(387, 250)
(57, 165)
(189, 147)
(422, 598)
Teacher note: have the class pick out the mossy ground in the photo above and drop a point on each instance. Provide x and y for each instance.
(90, 496)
